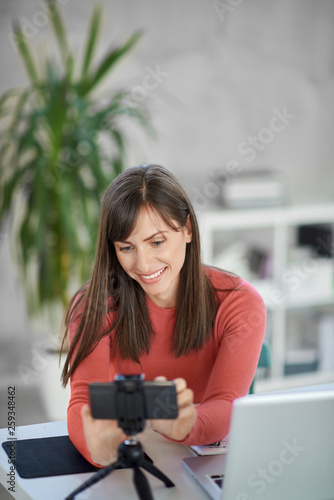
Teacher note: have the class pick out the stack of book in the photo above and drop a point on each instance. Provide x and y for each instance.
(254, 188)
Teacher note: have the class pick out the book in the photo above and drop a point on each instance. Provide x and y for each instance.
(254, 188)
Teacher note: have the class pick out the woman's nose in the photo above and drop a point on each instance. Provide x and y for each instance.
(143, 263)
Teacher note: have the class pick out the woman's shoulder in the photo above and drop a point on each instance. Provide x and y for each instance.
(225, 282)
(222, 279)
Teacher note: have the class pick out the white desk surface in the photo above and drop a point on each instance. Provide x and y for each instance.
(167, 456)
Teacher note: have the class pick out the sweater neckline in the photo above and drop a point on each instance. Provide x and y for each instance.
(161, 310)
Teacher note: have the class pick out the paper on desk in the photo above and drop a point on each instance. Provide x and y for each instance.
(212, 449)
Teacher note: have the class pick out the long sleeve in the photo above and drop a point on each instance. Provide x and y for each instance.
(240, 324)
(94, 368)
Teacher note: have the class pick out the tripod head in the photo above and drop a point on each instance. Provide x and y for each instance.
(130, 400)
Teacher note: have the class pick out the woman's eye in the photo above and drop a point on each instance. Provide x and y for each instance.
(157, 243)
(125, 249)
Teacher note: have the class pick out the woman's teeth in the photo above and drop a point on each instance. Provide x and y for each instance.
(151, 276)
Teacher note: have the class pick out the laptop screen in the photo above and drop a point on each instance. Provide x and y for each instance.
(281, 447)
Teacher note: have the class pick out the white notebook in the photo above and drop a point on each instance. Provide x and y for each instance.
(218, 448)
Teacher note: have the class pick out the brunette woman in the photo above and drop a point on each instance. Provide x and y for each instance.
(152, 307)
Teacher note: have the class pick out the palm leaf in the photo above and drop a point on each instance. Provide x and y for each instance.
(108, 63)
(119, 161)
(91, 41)
(26, 237)
(87, 214)
(55, 92)
(61, 36)
(8, 96)
(9, 189)
(26, 55)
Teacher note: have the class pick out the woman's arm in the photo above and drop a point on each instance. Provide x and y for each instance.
(240, 329)
(82, 432)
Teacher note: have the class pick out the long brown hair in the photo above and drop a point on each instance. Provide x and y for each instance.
(111, 289)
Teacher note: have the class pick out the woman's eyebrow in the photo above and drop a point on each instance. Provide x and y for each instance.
(155, 234)
(122, 242)
(146, 239)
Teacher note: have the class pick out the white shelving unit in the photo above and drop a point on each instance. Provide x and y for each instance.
(279, 222)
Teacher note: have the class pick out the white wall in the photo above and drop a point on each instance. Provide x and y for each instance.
(224, 67)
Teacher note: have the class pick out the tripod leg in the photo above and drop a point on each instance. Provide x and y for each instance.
(157, 473)
(94, 479)
(142, 487)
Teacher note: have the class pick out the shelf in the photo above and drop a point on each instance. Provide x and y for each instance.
(302, 299)
(310, 299)
(301, 284)
(295, 381)
(266, 217)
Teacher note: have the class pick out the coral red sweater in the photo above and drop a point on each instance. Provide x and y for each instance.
(219, 373)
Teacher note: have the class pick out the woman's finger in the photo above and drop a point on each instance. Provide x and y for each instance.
(185, 398)
(180, 384)
(85, 413)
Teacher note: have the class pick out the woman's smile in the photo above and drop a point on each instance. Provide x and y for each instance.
(152, 278)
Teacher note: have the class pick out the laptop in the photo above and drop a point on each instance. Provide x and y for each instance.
(281, 447)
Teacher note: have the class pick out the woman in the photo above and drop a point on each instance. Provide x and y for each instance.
(152, 307)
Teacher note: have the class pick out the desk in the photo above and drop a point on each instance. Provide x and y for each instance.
(166, 455)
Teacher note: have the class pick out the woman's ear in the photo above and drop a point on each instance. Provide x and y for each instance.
(189, 229)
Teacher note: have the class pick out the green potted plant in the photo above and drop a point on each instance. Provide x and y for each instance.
(62, 144)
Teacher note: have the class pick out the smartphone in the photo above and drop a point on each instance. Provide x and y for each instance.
(130, 397)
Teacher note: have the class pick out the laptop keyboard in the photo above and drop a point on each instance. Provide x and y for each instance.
(218, 479)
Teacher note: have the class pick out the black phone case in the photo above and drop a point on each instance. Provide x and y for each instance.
(156, 401)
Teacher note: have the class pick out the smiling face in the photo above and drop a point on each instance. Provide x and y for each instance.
(153, 255)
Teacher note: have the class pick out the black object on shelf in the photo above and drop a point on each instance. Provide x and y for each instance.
(319, 237)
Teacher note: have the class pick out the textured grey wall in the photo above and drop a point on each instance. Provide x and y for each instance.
(226, 81)
(221, 68)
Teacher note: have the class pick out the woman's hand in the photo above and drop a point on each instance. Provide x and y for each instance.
(180, 427)
(103, 437)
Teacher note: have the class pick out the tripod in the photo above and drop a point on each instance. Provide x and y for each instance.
(130, 455)
(127, 396)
